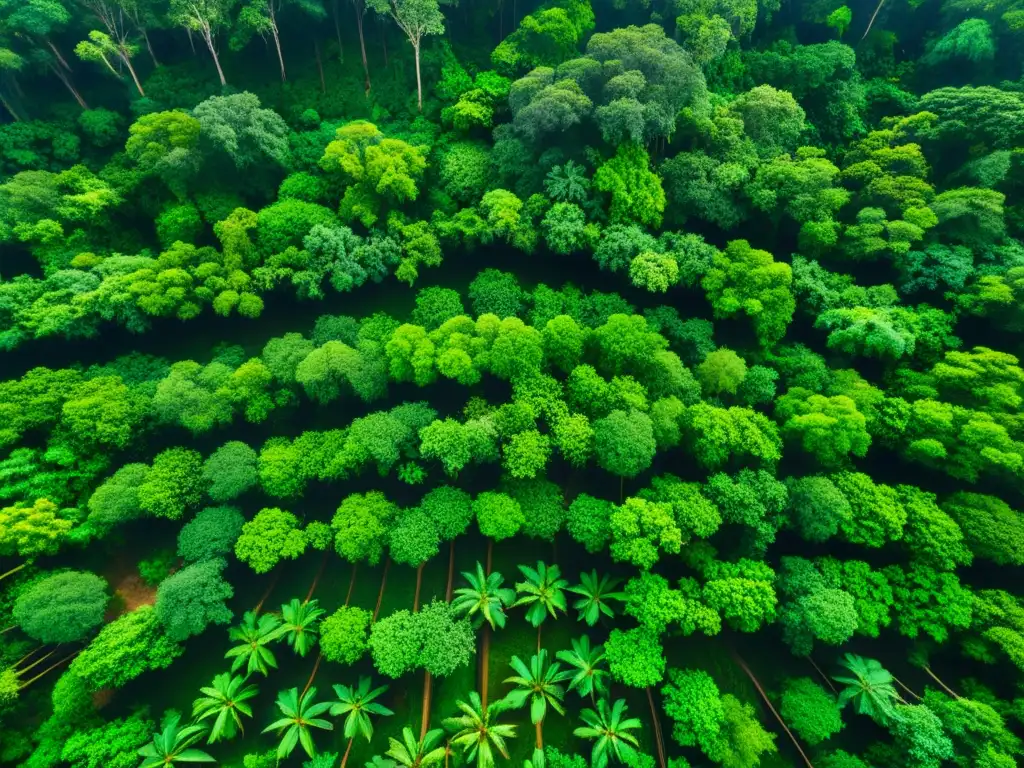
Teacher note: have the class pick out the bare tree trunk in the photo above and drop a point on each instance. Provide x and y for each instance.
(316, 579)
(60, 58)
(67, 84)
(320, 66)
(270, 588)
(451, 571)
(539, 728)
(191, 42)
(485, 654)
(351, 585)
(419, 83)
(490, 554)
(823, 675)
(657, 728)
(16, 568)
(347, 750)
(380, 595)
(50, 668)
(425, 717)
(131, 71)
(945, 687)
(362, 45)
(337, 30)
(419, 585)
(873, 15)
(312, 675)
(905, 688)
(277, 47)
(149, 46)
(113, 71)
(384, 42)
(743, 665)
(208, 37)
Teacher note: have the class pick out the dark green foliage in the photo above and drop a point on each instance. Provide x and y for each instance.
(211, 533)
(63, 608)
(191, 599)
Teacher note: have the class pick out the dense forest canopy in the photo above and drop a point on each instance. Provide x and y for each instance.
(408, 383)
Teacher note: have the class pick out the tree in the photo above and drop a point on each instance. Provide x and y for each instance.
(543, 591)
(829, 428)
(990, 527)
(254, 636)
(540, 685)
(586, 673)
(477, 731)
(191, 599)
(744, 279)
(484, 599)
(172, 484)
(357, 703)
(300, 715)
(100, 46)
(771, 118)
(31, 531)
(299, 624)
(361, 526)
(641, 530)
(224, 701)
(415, 18)
(343, 635)
(62, 608)
(526, 454)
(436, 639)
(498, 515)
(636, 192)
(261, 16)
(609, 729)
(271, 536)
(588, 522)
(694, 703)
(210, 534)
(624, 442)
(595, 595)
(809, 710)
(206, 17)
(174, 744)
(635, 657)
(721, 371)
(869, 687)
(112, 744)
(230, 471)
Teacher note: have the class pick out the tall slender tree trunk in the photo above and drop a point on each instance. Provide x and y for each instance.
(348, 749)
(208, 38)
(384, 43)
(131, 70)
(490, 554)
(337, 30)
(319, 66)
(539, 728)
(538, 637)
(16, 568)
(270, 588)
(451, 571)
(191, 42)
(50, 668)
(485, 653)
(360, 14)
(383, 584)
(57, 53)
(823, 675)
(351, 585)
(873, 15)
(316, 579)
(110, 66)
(419, 586)
(277, 45)
(905, 687)
(67, 84)
(945, 687)
(149, 46)
(419, 82)
(743, 665)
(658, 742)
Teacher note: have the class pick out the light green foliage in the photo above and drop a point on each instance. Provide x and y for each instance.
(919, 734)
(809, 710)
(817, 507)
(434, 639)
(635, 657)
(173, 483)
(877, 515)
(932, 536)
(271, 536)
(191, 599)
(542, 505)
(771, 118)
(230, 471)
(589, 522)
(413, 538)
(829, 428)
(990, 527)
(748, 280)
(62, 608)
(693, 702)
(641, 530)
(970, 40)
(928, 601)
(721, 371)
(498, 515)
(361, 526)
(742, 740)
(717, 435)
(526, 454)
(636, 193)
(343, 635)
(116, 501)
(113, 744)
(130, 645)
(211, 533)
(624, 442)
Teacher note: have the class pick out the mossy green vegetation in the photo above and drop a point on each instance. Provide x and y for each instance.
(564, 384)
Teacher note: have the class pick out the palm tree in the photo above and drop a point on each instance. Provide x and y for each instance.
(543, 591)
(225, 701)
(300, 715)
(174, 745)
(253, 636)
(484, 600)
(476, 731)
(357, 704)
(300, 620)
(410, 753)
(540, 685)
(595, 592)
(589, 674)
(870, 688)
(610, 731)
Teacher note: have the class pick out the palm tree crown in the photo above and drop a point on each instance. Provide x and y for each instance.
(300, 624)
(411, 753)
(543, 591)
(870, 688)
(300, 715)
(357, 704)
(588, 674)
(225, 700)
(174, 745)
(477, 731)
(609, 729)
(484, 599)
(539, 684)
(595, 592)
(253, 637)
